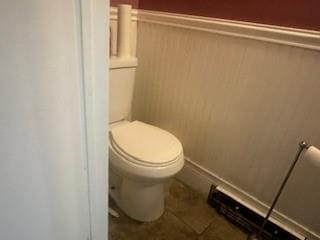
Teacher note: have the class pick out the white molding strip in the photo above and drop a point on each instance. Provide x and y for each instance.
(94, 88)
(200, 178)
(261, 32)
(268, 33)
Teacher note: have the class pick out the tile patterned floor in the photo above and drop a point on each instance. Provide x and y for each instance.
(187, 216)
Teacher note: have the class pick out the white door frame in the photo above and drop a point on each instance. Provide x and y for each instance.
(95, 49)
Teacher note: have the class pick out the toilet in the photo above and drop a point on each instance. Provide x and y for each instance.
(142, 157)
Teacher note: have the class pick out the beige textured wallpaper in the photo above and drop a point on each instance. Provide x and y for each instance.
(239, 107)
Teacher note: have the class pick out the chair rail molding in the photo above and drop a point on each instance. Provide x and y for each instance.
(269, 33)
(261, 32)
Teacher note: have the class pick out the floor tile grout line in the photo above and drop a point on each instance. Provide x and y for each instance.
(187, 186)
(234, 226)
(188, 225)
(209, 225)
(181, 220)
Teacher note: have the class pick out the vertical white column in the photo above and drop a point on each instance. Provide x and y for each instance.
(124, 30)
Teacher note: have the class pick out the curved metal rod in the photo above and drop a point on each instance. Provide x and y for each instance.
(302, 145)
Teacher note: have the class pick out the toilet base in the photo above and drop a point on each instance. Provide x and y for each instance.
(140, 201)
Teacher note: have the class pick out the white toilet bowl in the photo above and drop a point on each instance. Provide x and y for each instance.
(142, 157)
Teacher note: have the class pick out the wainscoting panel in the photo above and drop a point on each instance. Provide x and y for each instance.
(240, 106)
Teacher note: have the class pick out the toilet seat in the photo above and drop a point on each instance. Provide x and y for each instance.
(145, 144)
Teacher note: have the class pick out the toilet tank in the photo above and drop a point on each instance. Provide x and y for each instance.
(121, 86)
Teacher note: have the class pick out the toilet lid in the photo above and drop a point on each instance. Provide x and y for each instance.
(146, 143)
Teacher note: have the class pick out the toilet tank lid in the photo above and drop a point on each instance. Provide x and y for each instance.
(146, 143)
(116, 62)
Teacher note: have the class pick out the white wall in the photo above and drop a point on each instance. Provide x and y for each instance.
(239, 105)
(43, 145)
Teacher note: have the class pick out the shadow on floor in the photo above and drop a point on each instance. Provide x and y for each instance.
(187, 216)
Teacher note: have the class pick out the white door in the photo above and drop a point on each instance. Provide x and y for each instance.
(53, 119)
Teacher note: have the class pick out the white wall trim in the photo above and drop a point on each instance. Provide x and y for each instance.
(94, 48)
(261, 32)
(200, 178)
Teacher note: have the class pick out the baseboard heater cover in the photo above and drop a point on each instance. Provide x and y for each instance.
(245, 217)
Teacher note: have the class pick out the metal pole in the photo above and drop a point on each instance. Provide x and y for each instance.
(302, 146)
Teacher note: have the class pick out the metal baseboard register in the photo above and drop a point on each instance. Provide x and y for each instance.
(244, 217)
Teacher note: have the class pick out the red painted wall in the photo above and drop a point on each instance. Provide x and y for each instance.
(289, 13)
(134, 3)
